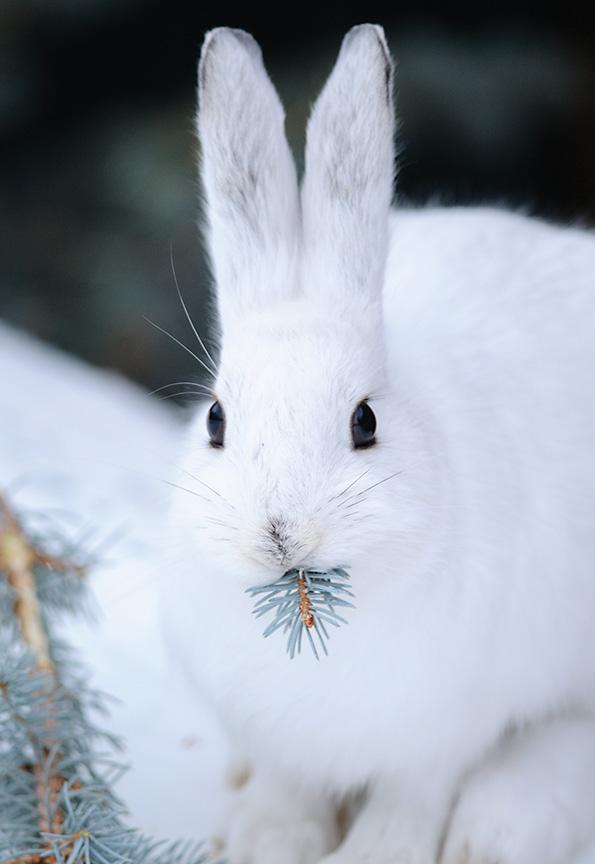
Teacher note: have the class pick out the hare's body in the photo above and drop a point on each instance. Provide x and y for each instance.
(467, 529)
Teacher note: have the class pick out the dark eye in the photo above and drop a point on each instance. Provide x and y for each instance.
(363, 426)
(216, 424)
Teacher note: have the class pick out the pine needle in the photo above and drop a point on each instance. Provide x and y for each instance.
(57, 768)
(302, 603)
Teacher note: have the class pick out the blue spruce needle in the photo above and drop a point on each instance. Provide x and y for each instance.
(57, 767)
(304, 601)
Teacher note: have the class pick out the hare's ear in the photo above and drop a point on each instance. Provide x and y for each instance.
(347, 188)
(248, 176)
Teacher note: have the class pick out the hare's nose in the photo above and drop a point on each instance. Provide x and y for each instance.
(280, 541)
(288, 543)
(278, 537)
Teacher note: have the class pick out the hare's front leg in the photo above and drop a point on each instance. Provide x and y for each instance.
(532, 801)
(398, 824)
(271, 824)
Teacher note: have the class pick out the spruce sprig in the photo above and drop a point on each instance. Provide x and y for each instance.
(302, 602)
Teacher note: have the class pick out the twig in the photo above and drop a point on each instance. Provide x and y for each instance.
(305, 603)
(18, 558)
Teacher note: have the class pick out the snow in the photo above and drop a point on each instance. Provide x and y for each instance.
(91, 450)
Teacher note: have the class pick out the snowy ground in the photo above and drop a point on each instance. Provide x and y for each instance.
(96, 448)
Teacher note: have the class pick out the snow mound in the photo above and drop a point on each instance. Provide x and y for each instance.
(90, 450)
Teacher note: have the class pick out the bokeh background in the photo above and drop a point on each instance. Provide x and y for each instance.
(97, 154)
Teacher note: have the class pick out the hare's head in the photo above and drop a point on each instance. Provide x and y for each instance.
(298, 449)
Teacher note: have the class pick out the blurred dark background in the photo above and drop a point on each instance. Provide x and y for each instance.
(97, 155)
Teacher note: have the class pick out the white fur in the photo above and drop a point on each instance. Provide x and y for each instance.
(248, 175)
(473, 565)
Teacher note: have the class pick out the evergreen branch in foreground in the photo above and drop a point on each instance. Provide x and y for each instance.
(57, 767)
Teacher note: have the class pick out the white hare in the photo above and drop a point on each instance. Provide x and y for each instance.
(409, 394)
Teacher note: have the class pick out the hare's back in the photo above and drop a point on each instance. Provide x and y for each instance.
(494, 305)
(490, 321)
(491, 338)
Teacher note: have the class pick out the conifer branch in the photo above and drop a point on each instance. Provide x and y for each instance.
(18, 557)
(56, 801)
(303, 601)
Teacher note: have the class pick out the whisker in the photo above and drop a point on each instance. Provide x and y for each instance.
(347, 488)
(359, 518)
(374, 485)
(359, 500)
(206, 485)
(179, 393)
(181, 344)
(181, 384)
(347, 514)
(187, 314)
(190, 491)
(223, 524)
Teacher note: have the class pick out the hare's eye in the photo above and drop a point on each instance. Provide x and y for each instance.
(363, 426)
(216, 424)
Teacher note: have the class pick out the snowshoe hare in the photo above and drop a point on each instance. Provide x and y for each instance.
(409, 394)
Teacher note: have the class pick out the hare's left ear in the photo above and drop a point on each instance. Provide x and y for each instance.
(248, 175)
(348, 183)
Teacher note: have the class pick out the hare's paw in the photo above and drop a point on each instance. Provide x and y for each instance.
(534, 805)
(533, 800)
(378, 852)
(493, 827)
(387, 832)
(264, 841)
(268, 826)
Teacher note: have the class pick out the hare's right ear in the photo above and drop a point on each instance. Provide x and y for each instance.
(248, 176)
(348, 182)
